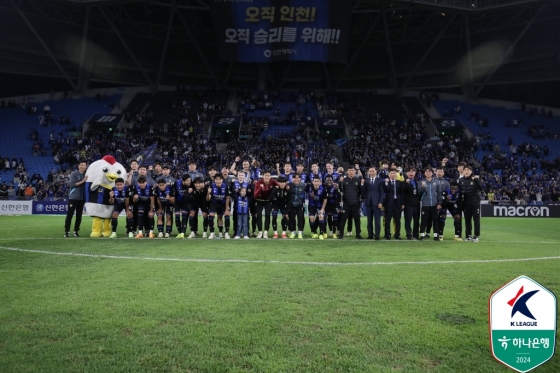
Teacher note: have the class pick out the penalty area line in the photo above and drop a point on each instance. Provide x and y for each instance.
(249, 261)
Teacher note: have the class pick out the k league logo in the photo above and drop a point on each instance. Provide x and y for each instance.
(519, 304)
(522, 316)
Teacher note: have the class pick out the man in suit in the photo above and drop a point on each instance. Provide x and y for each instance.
(393, 204)
(351, 188)
(373, 187)
(411, 199)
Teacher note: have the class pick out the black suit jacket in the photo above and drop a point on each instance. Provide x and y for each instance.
(411, 199)
(374, 192)
(389, 200)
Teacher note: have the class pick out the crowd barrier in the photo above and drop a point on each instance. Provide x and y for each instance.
(522, 211)
(21, 207)
(50, 207)
(15, 207)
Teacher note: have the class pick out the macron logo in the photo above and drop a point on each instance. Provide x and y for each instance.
(519, 303)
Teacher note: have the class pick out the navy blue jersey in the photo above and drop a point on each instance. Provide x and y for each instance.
(161, 195)
(454, 202)
(335, 176)
(256, 174)
(236, 187)
(288, 176)
(100, 195)
(180, 191)
(219, 194)
(314, 176)
(242, 205)
(120, 197)
(144, 194)
(455, 197)
(332, 195)
(316, 196)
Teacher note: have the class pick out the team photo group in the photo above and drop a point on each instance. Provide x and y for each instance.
(243, 202)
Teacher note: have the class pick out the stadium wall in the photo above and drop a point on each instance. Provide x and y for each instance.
(16, 207)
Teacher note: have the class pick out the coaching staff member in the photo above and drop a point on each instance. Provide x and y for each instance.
(373, 189)
(76, 199)
(411, 205)
(470, 188)
(351, 189)
(393, 203)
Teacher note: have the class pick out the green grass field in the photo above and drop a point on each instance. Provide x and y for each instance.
(100, 305)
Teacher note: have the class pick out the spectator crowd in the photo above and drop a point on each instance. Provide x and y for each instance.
(521, 173)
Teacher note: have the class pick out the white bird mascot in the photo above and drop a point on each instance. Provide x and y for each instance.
(101, 177)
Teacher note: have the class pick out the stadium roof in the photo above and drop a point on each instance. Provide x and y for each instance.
(397, 44)
(471, 5)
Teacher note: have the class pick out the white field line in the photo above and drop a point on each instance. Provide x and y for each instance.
(340, 264)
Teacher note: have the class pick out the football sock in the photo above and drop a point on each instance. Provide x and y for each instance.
(322, 226)
(227, 223)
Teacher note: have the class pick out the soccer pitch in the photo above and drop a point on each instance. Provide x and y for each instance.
(168, 305)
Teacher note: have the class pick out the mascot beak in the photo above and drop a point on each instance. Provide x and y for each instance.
(112, 177)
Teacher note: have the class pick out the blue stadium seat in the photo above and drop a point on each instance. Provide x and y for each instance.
(17, 124)
(497, 118)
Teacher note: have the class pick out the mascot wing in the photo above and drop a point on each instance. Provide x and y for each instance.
(95, 183)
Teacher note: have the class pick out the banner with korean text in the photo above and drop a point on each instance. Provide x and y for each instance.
(282, 30)
(50, 207)
(15, 207)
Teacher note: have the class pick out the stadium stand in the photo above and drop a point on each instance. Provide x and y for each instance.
(515, 151)
(506, 129)
(23, 135)
(360, 109)
(518, 149)
(277, 113)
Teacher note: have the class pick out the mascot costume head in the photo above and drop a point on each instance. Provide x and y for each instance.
(101, 176)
